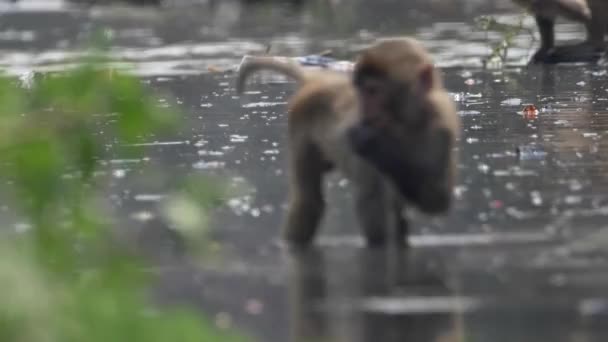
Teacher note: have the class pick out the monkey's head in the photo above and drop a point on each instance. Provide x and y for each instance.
(396, 82)
(394, 79)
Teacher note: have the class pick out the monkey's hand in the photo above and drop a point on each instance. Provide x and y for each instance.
(387, 156)
(421, 172)
(363, 139)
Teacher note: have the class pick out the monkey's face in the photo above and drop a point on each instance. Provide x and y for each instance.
(395, 101)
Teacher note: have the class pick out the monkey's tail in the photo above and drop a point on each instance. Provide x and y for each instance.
(254, 64)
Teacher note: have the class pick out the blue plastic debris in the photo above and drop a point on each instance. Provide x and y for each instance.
(531, 152)
(316, 60)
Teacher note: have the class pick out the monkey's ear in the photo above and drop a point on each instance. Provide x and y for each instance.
(426, 78)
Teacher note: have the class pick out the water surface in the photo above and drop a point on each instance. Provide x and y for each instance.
(522, 255)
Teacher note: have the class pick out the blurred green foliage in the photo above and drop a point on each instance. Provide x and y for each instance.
(65, 279)
(509, 32)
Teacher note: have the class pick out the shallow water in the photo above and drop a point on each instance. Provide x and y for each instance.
(521, 257)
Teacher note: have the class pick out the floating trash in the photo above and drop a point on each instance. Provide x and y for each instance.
(468, 112)
(469, 82)
(530, 112)
(254, 306)
(511, 102)
(530, 152)
(496, 204)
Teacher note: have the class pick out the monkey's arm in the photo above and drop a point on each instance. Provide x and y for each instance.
(422, 173)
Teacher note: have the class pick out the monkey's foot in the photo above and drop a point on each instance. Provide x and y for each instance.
(577, 53)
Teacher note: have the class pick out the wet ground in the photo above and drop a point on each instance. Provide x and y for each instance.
(522, 256)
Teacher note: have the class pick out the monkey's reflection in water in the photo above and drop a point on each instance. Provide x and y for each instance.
(368, 295)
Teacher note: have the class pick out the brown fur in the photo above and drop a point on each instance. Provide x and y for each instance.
(331, 120)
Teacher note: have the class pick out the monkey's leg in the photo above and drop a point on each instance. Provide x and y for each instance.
(306, 203)
(590, 50)
(547, 38)
(593, 47)
(598, 26)
(372, 207)
(400, 223)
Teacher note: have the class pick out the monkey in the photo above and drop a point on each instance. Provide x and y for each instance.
(389, 127)
(590, 12)
(426, 130)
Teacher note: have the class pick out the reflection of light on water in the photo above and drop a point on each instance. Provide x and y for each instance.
(235, 138)
(234, 48)
(33, 5)
(412, 305)
(160, 143)
(210, 153)
(468, 112)
(208, 165)
(148, 197)
(240, 205)
(180, 59)
(13, 35)
(263, 104)
(22, 227)
(128, 161)
(447, 239)
(142, 216)
(119, 173)
(20, 63)
(200, 143)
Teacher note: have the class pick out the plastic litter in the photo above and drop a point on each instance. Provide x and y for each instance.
(530, 112)
(530, 152)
